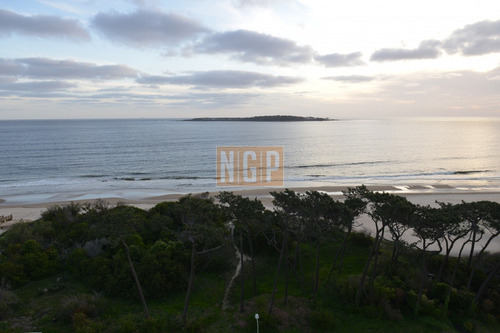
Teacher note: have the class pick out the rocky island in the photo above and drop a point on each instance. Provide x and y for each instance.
(262, 118)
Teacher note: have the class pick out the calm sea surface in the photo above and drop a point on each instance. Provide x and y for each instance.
(45, 160)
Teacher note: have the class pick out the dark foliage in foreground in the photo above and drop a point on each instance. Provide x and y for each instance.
(304, 252)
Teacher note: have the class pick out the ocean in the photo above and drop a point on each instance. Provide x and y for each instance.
(54, 160)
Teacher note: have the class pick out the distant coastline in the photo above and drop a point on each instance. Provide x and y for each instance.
(280, 118)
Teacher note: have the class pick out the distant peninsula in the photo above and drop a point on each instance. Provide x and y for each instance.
(282, 118)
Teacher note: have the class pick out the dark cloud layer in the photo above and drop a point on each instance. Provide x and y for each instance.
(222, 79)
(41, 26)
(475, 39)
(250, 46)
(10, 67)
(427, 50)
(146, 28)
(37, 86)
(340, 60)
(44, 68)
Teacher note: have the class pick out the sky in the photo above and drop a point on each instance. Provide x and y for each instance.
(364, 59)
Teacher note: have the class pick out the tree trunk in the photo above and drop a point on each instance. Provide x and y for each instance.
(287, 267)
(452, 280)
(275, 284)
(296, 262)
(316, 284)
(485, 283)
(393, 257)
(469, 262)
(136, 279)
(342, 251)
(242, 278)
(375, 264)
(444, 263)
(340, 256)
(190, 283)
(479, 255)
(254, 273)
(361, 284)
(422, 280)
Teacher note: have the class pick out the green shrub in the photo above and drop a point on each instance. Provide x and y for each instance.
(322, 320)
(162, 268)
(439, 292)
(347, 287)
(76, 261)
(460, 302)
(8, 302)
(30, 246)
(382, 290)
(390, 312)
(81, 306)
(127, 324)
(62, 214)
(14, 273)
(82, 324)
(37, 263)
(361, 239)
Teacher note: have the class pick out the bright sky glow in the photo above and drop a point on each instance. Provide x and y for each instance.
(190, 58)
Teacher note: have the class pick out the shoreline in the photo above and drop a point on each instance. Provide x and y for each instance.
(418, 194)
(422, 195)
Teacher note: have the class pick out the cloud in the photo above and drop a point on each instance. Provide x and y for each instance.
(350, 78)
(147, 28)
(468, 91)
(258, 3)
(10, 67)
(43, 26)
(475, 39)
(222, 79)
(36, 89)
(428, 49)
(244, 3)
(37, 86)
(250, 46)
(211, 100)
(6, 79)
(44, 68)
(340, 60)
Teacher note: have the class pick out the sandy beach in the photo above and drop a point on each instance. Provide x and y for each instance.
(416, 194)
(421, 195)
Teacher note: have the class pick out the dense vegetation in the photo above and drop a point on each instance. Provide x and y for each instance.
(304, 268)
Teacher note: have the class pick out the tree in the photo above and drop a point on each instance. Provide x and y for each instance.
(398, 214)
(356, 203)
(426, 228)
(453, 275)
(203, 229)
(120, 222)
(454, 229)
(490, 225)
(485, 283)
(387, 211)
(321, 215)
(243, 212)
(286, 205)
(473, 213)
